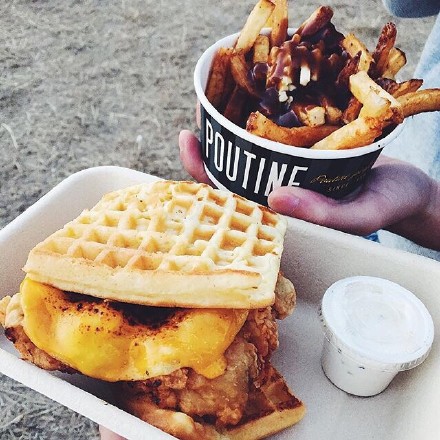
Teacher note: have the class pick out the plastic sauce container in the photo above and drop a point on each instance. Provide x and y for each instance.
(373, 329)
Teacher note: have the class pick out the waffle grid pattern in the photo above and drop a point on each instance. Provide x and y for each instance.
(172, 226)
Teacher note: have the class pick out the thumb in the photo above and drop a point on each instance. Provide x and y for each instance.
(106, 434)
(348, 215)
(191, 157)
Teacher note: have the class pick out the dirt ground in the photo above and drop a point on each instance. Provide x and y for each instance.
(109, 82)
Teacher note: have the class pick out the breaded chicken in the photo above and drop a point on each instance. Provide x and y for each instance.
(222, 399)
(11, 318)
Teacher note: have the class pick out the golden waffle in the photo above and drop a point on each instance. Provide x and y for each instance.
(167, 243)
(270, 409)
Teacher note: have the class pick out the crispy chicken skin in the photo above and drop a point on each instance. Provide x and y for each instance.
(31, 353)
(11, 317)
(222, 399)
(285, 297)
(3, 306)
(261, 330)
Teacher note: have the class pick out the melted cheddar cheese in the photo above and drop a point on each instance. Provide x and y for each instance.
(100, 341)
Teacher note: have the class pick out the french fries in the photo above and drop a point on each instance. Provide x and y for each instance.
(398, 89)
(278, 22)
(310, 115)
(376, 101)
(235, 105)
(316, 21)
(396, 60)
(354, 46)
(333, 114)
(427, 100)
(316, 88)
(255, 22)
(261, 49)
(240, 70)
(352, 110)
(386, 42)
(362, 131)
(215, 89)
(261, 126)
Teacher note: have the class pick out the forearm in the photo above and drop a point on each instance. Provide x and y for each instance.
(412, 8)
(423, 228)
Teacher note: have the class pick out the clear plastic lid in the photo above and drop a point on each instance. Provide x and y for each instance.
(377, 322)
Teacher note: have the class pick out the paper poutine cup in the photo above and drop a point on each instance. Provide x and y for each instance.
(252, 167)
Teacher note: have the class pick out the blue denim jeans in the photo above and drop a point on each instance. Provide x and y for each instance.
(373, 237)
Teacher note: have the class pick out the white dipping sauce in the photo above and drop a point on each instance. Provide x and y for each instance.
(373, 329)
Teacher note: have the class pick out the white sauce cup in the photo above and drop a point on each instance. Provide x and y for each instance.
(373, 329)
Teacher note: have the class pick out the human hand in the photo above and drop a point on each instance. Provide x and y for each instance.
(191, 156)
(190, 153)
(396, 196)
(109, 435)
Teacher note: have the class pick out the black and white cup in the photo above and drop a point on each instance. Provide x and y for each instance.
(252, 166)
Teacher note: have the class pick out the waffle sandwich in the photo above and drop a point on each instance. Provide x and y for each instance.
(169, 291)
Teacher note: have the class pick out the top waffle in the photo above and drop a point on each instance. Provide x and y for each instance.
(177, 244)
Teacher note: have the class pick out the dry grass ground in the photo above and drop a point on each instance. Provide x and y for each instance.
(109, 82)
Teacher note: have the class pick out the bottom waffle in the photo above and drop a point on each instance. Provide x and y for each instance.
(270, 409)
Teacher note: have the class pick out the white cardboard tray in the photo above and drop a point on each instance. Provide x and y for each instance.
(314, 257)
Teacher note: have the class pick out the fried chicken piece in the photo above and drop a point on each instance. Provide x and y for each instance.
(30, 352)
(225, 397)
(261, 330)
(222, 399)
(11, 317)
(3, 307)
(285, 297)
